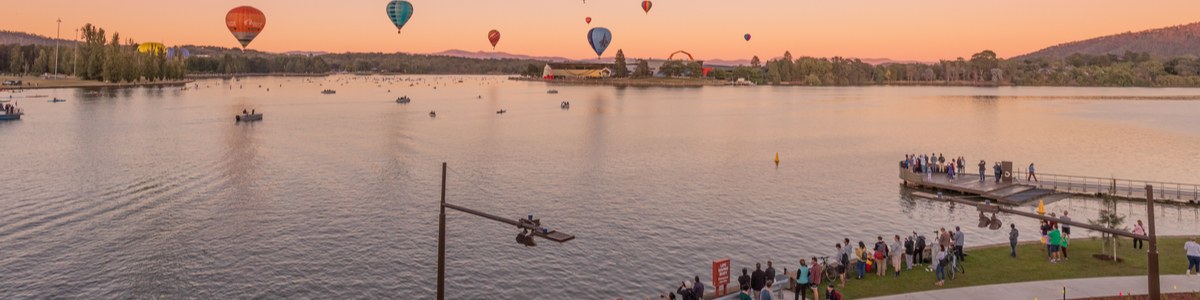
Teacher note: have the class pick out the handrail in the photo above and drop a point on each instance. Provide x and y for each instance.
(1100, 185)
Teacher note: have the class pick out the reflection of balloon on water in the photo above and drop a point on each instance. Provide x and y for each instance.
(245, 23)
(399, 12)
(646, 5)
(588, 20)
(152, 48)
(747, 37)
(599, 38)
(494, 37)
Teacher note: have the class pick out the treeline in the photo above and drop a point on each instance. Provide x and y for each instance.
(985, 68)
(97, 58)
(424, 64)
(257, 63)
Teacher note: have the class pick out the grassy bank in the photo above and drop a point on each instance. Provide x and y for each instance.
(992, 265)
(37, 82)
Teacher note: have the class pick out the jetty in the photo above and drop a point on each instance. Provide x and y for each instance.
(1012, 189)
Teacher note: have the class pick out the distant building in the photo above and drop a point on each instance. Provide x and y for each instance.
(577, 70)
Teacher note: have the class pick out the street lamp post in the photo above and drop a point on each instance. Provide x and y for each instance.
(526, 225)
(57, 37)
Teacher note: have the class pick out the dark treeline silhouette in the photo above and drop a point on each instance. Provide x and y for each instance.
(98, 57)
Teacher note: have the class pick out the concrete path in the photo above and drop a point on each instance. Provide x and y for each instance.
(1053, 289)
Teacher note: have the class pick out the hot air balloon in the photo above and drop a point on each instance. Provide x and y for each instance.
(747, 37)
(245, 23)
(588, 20)
(152, 48)
(494, 37)
(399, 12)
(646, 5)
(599, 38)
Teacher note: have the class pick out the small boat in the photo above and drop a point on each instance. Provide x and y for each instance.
(565, 105)
(10, 117)
(500, 112)
(56, 100)
(248, 117)
(37, 96)
(329, 92)
(403, 100)
(432, 114)
(552, 92)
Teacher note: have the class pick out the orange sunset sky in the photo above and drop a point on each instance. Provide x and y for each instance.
(925, 30)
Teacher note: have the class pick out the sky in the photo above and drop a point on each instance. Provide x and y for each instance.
(923, 30)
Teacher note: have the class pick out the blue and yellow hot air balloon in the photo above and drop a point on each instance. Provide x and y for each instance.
(599, 38)
(399, 12)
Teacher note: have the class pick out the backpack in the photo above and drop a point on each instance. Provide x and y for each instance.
(845, 259)
(908, 245)
(921, 242)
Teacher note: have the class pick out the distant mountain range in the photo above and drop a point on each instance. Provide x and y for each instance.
(1169, 42)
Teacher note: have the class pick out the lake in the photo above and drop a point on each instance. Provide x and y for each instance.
(158, 193)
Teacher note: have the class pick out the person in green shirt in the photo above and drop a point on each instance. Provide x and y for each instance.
(1054, 244)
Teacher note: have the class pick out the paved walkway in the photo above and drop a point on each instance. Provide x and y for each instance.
(1053, 289)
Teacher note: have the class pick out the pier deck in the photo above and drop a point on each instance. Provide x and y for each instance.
(1052, 187)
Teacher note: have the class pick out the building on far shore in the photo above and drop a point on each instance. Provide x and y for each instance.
(577, 70)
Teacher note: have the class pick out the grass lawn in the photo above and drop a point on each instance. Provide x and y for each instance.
(993, 265)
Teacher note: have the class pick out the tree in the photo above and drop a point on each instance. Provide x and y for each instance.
(754, 62)
(1108, 218)
(773, 73)
(671, 68)
(620, 70)
(16, 61)
(643, 69)
(40, 64)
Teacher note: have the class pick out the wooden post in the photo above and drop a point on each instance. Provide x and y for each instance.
(1152, 256)
(441, 275)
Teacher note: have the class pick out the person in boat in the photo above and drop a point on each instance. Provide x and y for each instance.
(244, 112)
(251, 111)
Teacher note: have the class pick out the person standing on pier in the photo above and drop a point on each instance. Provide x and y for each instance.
(982, 168)
(996, 169)
(919, 248)
(1012, 239)
(1031, 174)
(962, 165)
(814, 277)
(770, 272)
(843, 260)
(698, 288)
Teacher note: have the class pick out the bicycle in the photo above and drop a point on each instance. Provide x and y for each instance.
(955, 267)
(829, 271)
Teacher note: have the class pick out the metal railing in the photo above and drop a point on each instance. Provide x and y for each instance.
(1129, 188)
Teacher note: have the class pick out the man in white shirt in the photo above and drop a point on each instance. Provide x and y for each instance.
(1193, 255)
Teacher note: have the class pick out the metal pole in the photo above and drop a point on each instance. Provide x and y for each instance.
(441, 276)
(75, 59)
(57, 37)
(1152, 256)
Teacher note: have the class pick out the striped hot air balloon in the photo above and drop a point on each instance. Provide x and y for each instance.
(399, 12)
(646, 5)
(245, 23)
(494, 37)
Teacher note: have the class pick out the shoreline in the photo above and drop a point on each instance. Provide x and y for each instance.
(38, 83)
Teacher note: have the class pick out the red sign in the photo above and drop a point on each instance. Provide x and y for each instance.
(720, 275)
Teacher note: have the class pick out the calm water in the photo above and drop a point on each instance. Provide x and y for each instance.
(146, 193)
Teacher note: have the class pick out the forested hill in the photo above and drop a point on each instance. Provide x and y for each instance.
(22, 38)
(1169, 42)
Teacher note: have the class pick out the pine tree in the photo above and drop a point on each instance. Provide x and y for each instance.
(620, 70)
(16, 61)
(643, 69)
(754, 62)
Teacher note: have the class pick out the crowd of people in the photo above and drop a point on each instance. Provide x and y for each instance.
(936, 164)
(883, 257)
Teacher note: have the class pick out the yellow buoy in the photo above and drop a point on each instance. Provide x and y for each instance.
(1041, 207)
(777, 158)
